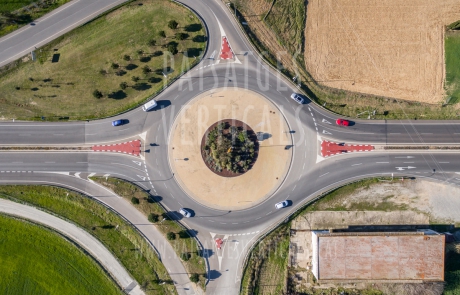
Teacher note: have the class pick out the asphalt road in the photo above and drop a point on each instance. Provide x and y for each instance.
(308, 176)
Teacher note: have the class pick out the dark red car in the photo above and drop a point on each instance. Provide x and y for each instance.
(342, 122)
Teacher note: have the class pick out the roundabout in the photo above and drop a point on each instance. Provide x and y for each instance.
(247, 158)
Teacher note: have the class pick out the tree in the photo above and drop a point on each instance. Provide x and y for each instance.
(135, 201)
(162, 34)
(172, 24)
(135, 78)
(123, 85)
(146, 70)
(181, 36)
(153, 217)
(126, 57)
(185, 256)
(97, 94)
(153, 42)
(171, 236)
(195, 278)
(115, 66)
(172, 48)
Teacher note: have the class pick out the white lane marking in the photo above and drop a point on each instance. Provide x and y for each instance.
(407, 157)
(326, 132)
(326, 121)
(394, 133)
(382, 162)
(77, 174)
(141, 177)
(443, 162)
(123, 129)
(404, 168)
(408, 162)
(356, 164)
(323, 174)
(426, 133)
(138, 163)
(82, 162)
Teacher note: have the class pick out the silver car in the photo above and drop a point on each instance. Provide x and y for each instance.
(297, 98)
(185, 213)
(281, 204)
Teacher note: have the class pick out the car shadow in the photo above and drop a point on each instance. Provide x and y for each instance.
(162, 104)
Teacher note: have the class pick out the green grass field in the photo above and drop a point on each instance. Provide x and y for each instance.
(10, 22)
(452, 52)
(131, 249)
(35, 260)
(181, 244)
(83, 62)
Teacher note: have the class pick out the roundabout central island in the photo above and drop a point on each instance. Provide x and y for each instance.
(256, 154)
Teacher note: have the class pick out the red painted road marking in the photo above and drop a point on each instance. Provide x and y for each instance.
(132, 147)
(226, 51)
(329, 148)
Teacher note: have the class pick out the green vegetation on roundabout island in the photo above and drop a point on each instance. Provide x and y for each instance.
(36, 260)
(110, 65)
(229, 148)
(117, 235)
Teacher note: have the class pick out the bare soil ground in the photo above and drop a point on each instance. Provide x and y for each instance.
(388, 48)
(198, 180)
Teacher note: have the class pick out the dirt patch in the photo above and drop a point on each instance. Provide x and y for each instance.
(250, 188)
(391, 48)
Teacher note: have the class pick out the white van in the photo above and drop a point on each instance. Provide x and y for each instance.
(149, 105)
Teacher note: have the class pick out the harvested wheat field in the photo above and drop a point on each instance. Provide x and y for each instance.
(389, 48)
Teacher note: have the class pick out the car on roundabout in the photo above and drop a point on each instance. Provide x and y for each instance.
(281, 204)
(342, 122)
(184, 212)
(299, 99)
(119, 122)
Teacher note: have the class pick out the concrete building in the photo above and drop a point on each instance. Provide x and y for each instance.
(378, 256)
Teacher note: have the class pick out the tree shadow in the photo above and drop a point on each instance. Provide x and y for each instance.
(107, 226)
(205, 253)
(192, 52)
(120, 94)
(157, 53)
(213, 274)
(200, 39)
(141, 86)
(145, 59)
(261, 136)
(131, 67)
(154, 199)
(154, 80)
(120, 73)
(193, 28)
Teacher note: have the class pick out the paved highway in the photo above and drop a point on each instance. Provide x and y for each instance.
(309, 174)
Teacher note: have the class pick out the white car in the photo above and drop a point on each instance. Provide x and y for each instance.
(185, 213)
(281, 204)
(297, 98)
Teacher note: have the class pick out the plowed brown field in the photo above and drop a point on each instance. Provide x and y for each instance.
(392, 48)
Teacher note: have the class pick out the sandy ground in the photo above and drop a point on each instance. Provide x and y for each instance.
(390, 48)
(440, 201)
(238, 192)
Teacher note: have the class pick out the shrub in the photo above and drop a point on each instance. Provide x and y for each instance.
(135, 78)
(162, 34)
(115, 66)
(123, 85)
(172, 48)
(153, 217)
(171, 236)
(172, 24)
(126, 57)
(97, 94)
(183, 234)
(181, 36)
(146, 70)
(153, 42)
(195, 278)
(185, 256)
(135, 200)
(102, 72)
(120, 72)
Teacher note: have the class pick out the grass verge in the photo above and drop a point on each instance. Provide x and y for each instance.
(282, 30)
(15, 14)
(127, 55)
(131, 249)
(36, 260)
(183, 242)
(452, 48)
(266, 270)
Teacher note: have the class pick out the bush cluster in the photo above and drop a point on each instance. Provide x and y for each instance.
(229, 148)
